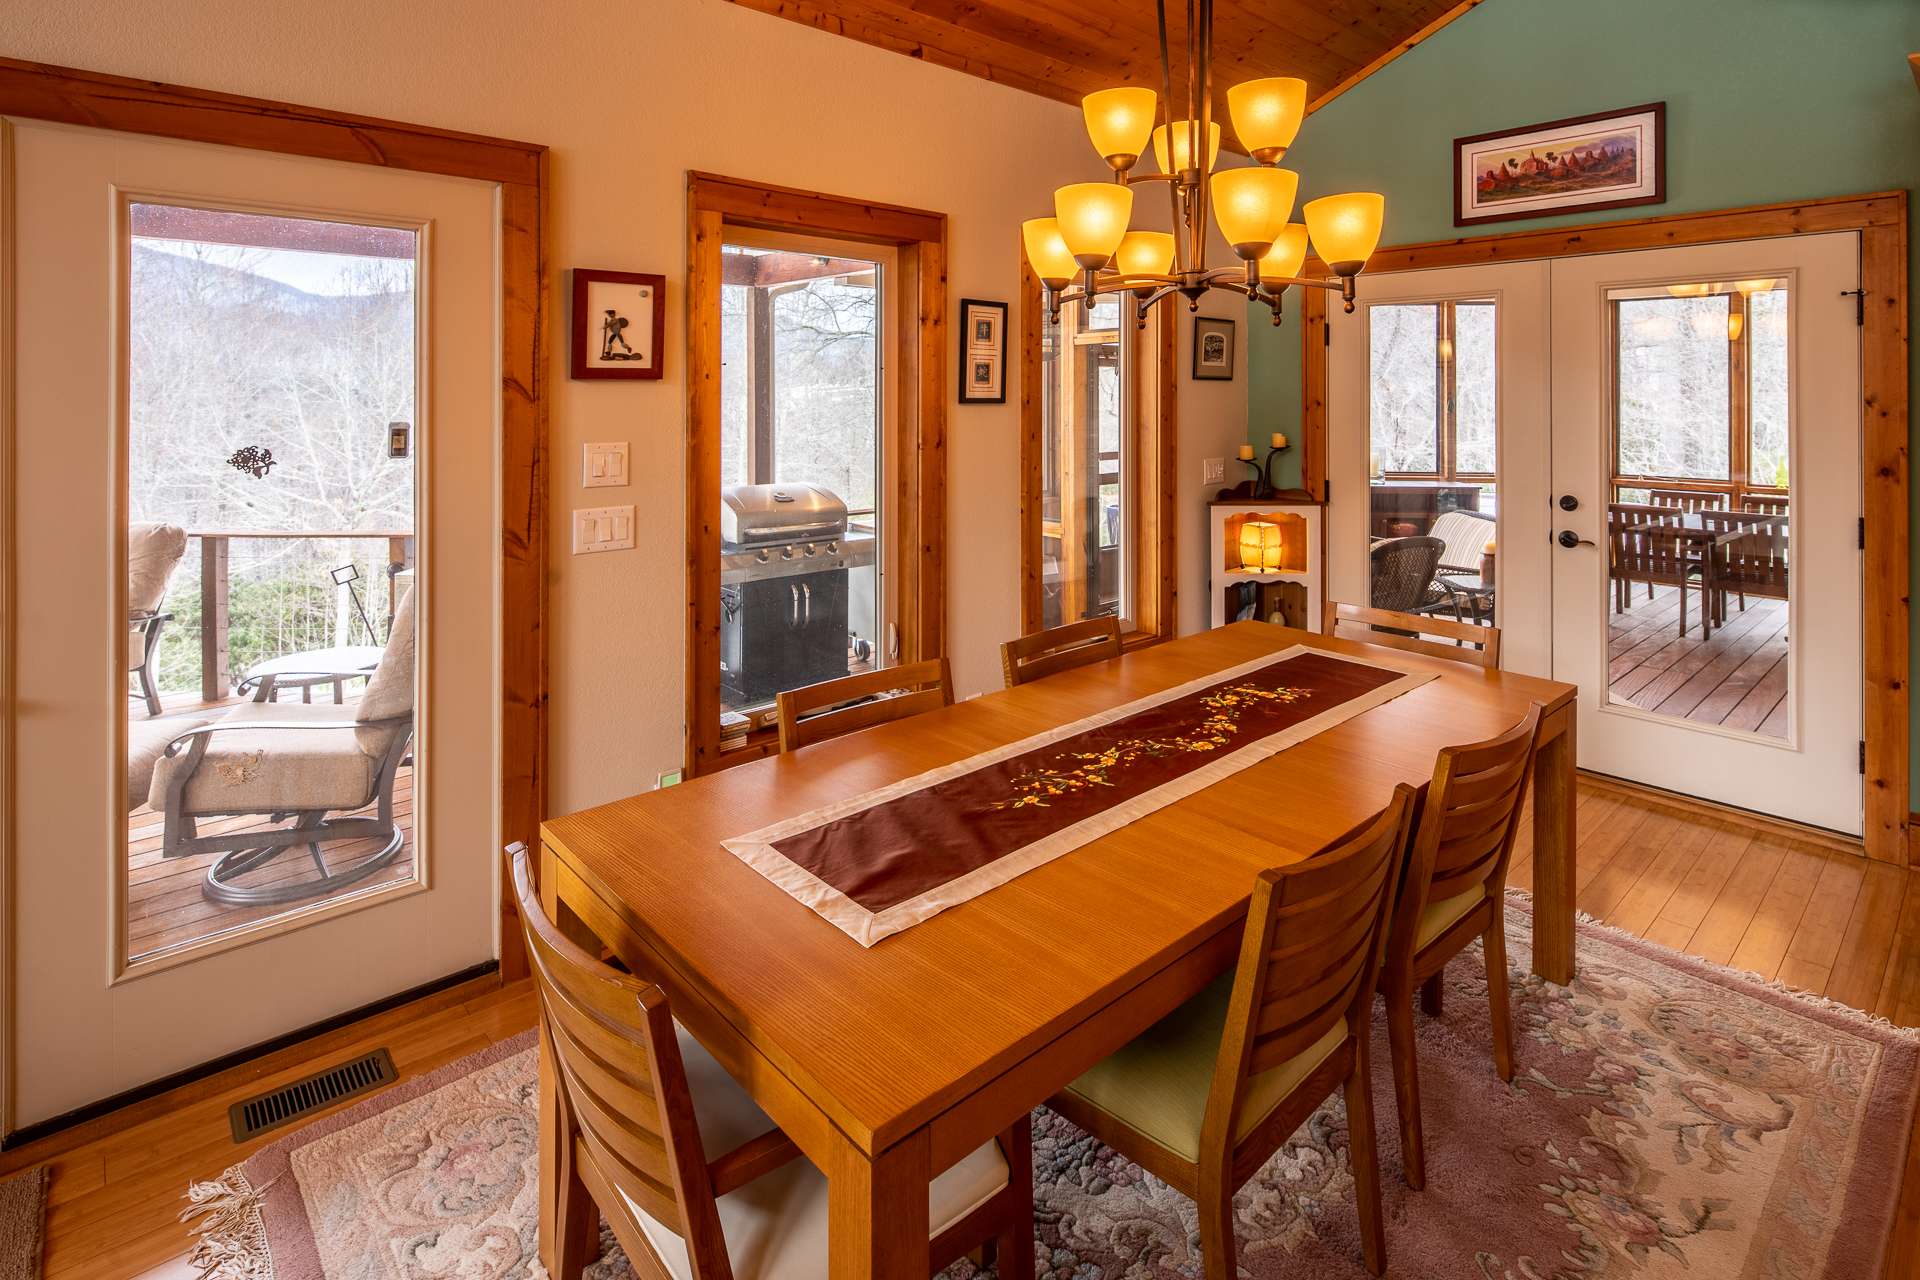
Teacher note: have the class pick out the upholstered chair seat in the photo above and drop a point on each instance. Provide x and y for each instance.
(270, 770)
(146, 743)
(1157, 1085)
(776, 1225)
(1438, 917)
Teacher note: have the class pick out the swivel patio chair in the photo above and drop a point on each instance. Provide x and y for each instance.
(296, 764)
(153, 553)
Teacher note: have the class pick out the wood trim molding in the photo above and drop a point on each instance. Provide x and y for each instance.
(1880, 218)
(715, 203)
(68, 96)
(1155, 384)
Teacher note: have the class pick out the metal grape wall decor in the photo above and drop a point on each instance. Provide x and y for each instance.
(252, 459)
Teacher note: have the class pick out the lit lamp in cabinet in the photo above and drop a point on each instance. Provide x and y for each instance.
(1260, 546)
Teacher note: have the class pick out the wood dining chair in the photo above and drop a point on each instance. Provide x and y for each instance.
(833, 707)
(1454, 893)
(695, 1180)
(1203, 1097)
(1471, 642)
(1058, 649)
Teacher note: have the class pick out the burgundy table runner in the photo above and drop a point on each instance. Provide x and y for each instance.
(877, 863)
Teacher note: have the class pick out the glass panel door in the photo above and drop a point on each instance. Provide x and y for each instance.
(1699, 580)
(1087, 466)
(803, 474)
(271, 385)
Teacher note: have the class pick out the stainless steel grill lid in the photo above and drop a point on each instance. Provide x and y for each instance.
(759, 514)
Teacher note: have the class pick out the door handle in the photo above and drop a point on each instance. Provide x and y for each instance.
(806, 595)
(1568, 538)
(1569, 503)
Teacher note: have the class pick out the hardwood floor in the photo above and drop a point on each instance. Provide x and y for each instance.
(1737, 678)
(165, 907)
(1784, 904)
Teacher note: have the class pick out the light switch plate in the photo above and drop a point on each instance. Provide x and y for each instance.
(1213, 471)
(602, 529)
(603, 465)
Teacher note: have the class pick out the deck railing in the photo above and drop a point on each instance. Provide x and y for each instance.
(216, 662)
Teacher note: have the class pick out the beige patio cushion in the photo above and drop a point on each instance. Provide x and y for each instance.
(390, 689)
(269, 770)
(146, 741)
(152, 552)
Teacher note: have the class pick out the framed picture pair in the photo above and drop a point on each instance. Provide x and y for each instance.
(983, 352)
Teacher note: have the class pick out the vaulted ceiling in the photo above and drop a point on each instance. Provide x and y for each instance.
(1065, 49)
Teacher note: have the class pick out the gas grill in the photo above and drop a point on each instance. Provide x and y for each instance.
(784, 556)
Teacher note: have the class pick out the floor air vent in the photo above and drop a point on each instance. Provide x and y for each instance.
(303, 1097)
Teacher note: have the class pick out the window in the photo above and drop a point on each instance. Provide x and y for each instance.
(1098, 535)
(1433, 394)
(1700, 394)
(802, 412)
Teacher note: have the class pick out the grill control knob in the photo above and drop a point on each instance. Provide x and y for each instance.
(786, 552)
(833, 547)
(813, 549)
(762, 556)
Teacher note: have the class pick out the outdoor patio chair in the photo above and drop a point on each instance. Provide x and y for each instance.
(297, 764)
(1466, 534)
(153, 553)
(1403, 575)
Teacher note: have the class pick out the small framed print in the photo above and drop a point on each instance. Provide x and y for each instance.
(1212, 349)
(983, 352)
(1608, 161)
(618, 320)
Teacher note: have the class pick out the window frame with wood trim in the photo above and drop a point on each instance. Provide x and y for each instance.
(1147, 460)
(1739, 483)
(914, 538)
(1446, 426)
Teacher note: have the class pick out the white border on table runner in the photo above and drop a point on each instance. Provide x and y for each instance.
(756, 848)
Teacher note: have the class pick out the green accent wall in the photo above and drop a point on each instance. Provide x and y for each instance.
(1767, 100)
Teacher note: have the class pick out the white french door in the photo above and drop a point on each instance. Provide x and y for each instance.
(1372, 362)
(1719, 654)
(276, 379)
(1764, 712)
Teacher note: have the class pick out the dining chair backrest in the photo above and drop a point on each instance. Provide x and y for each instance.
(621, 1083)
(1473, 644)
(1771, 504)
(1469, 819)
(1058, 649)
(1310, 955)
(1755, 564)
(1402, 571)
(1644, 557)
(833, 707)
(1686, 499)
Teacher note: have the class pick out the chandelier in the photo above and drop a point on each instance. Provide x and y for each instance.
(1086, 250)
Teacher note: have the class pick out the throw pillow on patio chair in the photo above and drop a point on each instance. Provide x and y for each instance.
(153, 553)
(300, 765)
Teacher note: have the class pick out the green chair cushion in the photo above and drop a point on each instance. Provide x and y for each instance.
(1440, 916)
(1157, 1085)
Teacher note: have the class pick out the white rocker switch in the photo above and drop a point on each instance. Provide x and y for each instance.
(602, 529)
(603, 465)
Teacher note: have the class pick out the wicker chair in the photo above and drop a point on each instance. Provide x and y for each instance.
(1403, 573)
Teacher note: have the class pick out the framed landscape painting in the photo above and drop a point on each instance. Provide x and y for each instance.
(1606, 161)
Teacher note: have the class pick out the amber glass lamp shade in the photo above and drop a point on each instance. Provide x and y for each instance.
(1144, 253)
(1346, 228)
(1267, 115)
(1283, 261)
(1047, 251)
(1093, 218)
(1118, 121)
(1260, 546)
(1252, 205)
(1180, 135)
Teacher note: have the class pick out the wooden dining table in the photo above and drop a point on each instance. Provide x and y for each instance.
(887, 1064)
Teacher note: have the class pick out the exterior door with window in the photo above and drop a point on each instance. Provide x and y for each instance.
(254, 532)
(1437, 412)
(1707, 564)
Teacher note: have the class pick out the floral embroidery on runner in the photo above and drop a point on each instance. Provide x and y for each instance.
(1071, 771)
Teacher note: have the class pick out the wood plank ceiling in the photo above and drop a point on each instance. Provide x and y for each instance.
(1065, 49)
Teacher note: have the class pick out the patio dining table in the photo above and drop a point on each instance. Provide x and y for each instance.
(1711, 543)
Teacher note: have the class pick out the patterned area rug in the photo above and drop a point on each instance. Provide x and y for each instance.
(1668, 1119)
(23, 1211)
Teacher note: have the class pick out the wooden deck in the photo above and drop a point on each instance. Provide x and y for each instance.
(1737, 679)
(165, 907)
